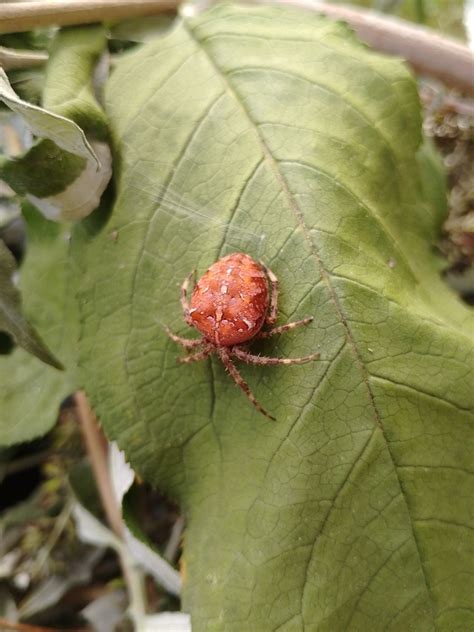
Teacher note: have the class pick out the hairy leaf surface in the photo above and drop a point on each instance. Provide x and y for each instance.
(276, 133)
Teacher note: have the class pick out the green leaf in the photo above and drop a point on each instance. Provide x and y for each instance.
(143, 29)
(56, 175)
(283, 137)
(12, 319)
(62, 131)
(30, 393)
(43, 170)
(433, 182)
(78, 197)
(69, 89)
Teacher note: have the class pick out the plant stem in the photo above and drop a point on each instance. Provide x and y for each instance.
(175, 540)
(27, 462)
(59, 526)
(420, 11)
(447, 103)
(96, 449)
(96, 446)
(13, 59)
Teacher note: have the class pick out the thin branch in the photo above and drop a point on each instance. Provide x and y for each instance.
(13, 59)
(25, 16)
(96, 448)
(175, 540)
(27, 462)
(435, 100)
(60, 524)
(426, 51)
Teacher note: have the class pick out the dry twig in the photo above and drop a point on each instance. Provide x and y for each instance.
(97, 449)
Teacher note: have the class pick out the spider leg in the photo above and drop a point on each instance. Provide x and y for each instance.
(184, 342)
(241, 383)
(273, 309)
(283, 328)
(195, 357)
(184, 299)
(245, 356)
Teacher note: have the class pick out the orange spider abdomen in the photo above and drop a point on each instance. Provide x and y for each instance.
(230, 301)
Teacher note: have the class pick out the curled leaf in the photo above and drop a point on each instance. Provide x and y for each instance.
(46, 124)
(30, 392)
(12, 319)
(64, 175)
(83, 194)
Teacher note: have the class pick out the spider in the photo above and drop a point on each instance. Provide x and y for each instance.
(230, 305)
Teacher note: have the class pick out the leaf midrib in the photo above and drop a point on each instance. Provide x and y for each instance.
(325, 275)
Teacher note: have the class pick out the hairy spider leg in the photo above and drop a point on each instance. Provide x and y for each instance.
(187, 343)
(250, 358)
(282, 328)
(239, 380)
(196, 357)
(184, 299)
(272, 315)
(273, 309)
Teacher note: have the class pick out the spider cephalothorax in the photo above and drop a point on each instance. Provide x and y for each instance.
(229, 306)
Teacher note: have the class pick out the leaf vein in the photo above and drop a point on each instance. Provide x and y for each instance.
(138, 264)
(444, 400)
(373, 214)
(326, 276)
(328, 515)
(324, 88)
(370, 580)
